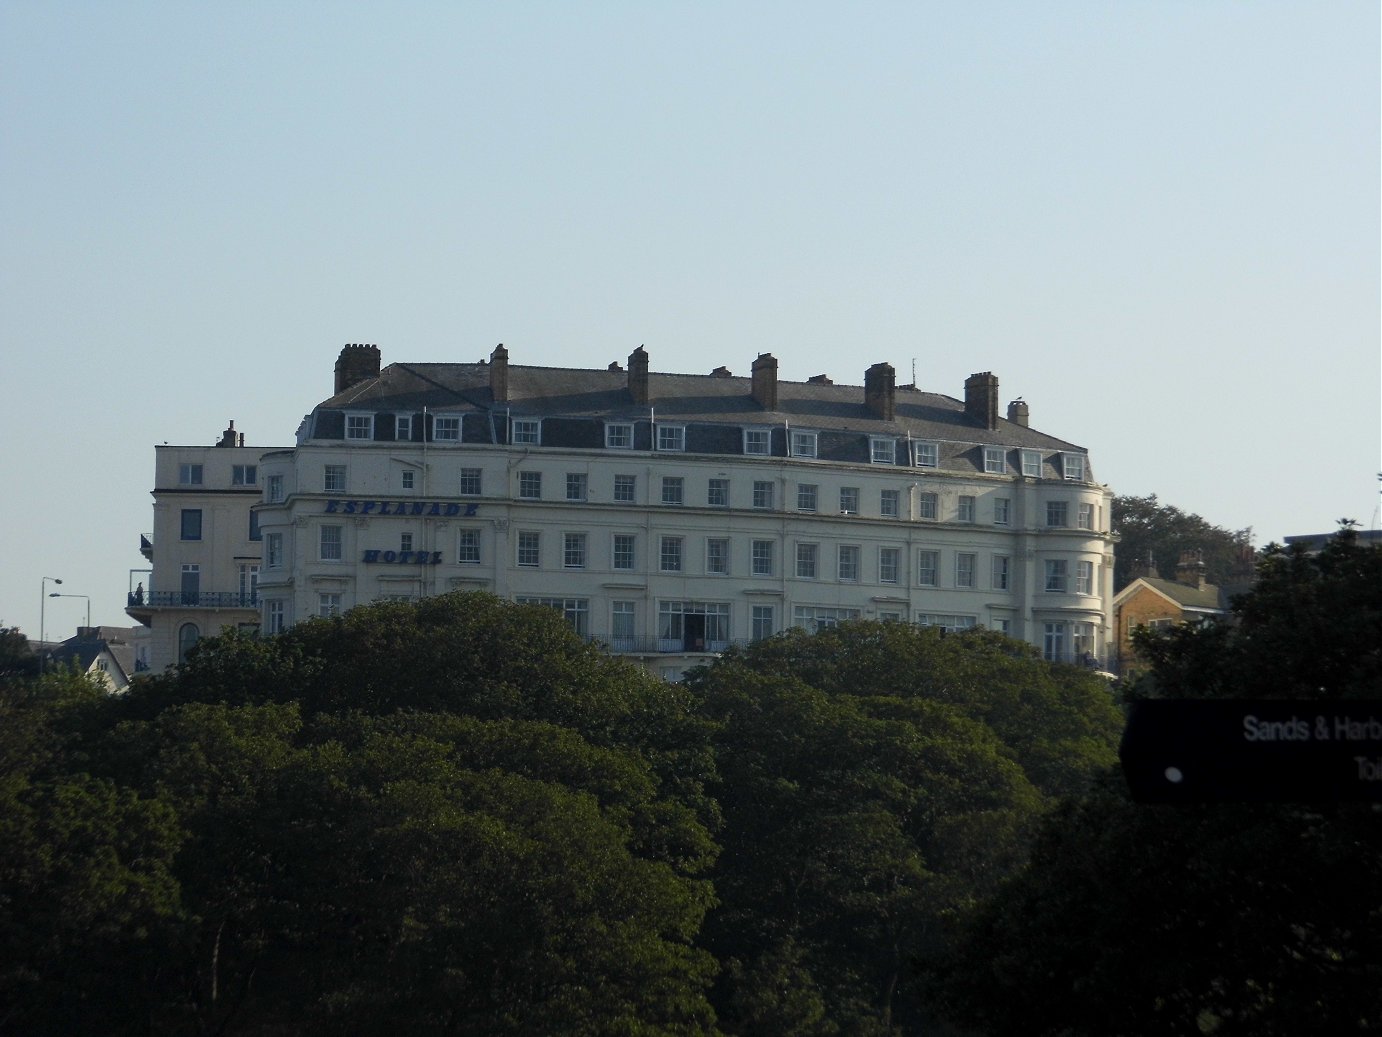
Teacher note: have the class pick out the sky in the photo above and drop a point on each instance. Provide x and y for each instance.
(1157, 223)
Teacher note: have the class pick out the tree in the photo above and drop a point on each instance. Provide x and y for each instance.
(17, 658)
(1148, 529)
(875, 779)
(1225, 919)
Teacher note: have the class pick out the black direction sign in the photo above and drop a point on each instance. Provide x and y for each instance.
(1224, 751)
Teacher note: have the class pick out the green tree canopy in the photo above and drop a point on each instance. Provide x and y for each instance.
(1149, 530)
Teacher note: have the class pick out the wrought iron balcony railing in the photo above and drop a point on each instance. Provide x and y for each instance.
(193, 599)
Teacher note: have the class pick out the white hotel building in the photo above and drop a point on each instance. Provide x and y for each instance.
(668, 515)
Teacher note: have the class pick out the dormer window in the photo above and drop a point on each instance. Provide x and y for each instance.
(995, 460)
(882, 451)
(758, 441)
(803, 444)
(1073, 467)
(359, 426)
(527, 431)
(1031, 464)
(446, 429)
(671, 437)
(926, 455)
(619, 435)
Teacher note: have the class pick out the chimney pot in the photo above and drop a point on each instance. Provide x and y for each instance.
(1017, 412)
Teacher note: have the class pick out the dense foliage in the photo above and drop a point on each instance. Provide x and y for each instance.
(455, 817)
(1230, 919)
(1151, 531)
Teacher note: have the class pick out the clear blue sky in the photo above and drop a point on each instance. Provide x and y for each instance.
(1156, 222)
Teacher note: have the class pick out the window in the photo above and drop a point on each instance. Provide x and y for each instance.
(576, 486)
(623, 625)
(1084, 577)
(1031, 464)
(1002, 510)
(1082, 643)
(405, 541)
(692, 626)
(470, 482)
(807, 555)
(530, 485)
(527, 431)
(189, 475)
(576, 611)
(1084, 515)
(965, 509)
(964, 569)
(273, 551)
(927, 564)
(927, 505)
(803, 444)
(813, 618)
(191, 584)
(888, 503)
(1003, 626)
(717, 556)
(244, 474)
(763, 622)
(669, 557)
(623, 555)
(624, 488)
(1055, 574)
(882, 451)
(249, 584)
(671, 437)
(1073, 467)
(359, 426)
(403, 428)
(995, 461)
(848, 568)
(328, 604)
(188, 635)
(926, 455)
(619, 435)
(191, 523)
(331, 543)
(334, 478)
(529, 549)
(673, 489)
(717, 493)
(1002, 568)
(573, 551)
(757, 441)
(446, 429)
(468, 547)
(273, 489)
(254, 526)
(849, 500)
(806, 496)
(407, 477)
(953, 624)
(1057, 513)
(1053, 642)
(274, 621)
(887, 564)
(763, 494)
(762, 557)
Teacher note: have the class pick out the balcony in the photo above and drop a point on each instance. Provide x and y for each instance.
(666, 645)
(191, 600)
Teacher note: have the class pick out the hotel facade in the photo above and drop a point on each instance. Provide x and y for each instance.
(670, 515)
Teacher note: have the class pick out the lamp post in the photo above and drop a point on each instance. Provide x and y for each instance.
(55, 594)
(42, 601)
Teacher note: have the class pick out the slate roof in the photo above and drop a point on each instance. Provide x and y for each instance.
(1209, 596)
(576, 392)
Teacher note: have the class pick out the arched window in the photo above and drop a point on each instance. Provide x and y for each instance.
(187, 637)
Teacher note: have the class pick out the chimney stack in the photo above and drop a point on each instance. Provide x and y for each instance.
(638, 376)
(880, 390)
(357, 363)
(499, 374)
(765, 381)
(230, 438)
(1190, 569)
(981, 398)
(1017, 412)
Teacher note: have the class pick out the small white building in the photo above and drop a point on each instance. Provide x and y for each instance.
(668, 515)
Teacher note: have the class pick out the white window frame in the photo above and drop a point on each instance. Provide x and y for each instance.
(763, 621)
(1073, 467)
(407, 478)
(275, 617)
(717, 556)
(849, 500)
(528, 549)
(359, 425)
(671, 439)
(673, 490)
(847, 563)
(671, 554)
(717, 493)
(1002, 511)
(525, 431)
(808, 496)
(756, 437)
(623, 547)
(763, 493)
(966, 569)
(446, 428)
(403, 428)
(244, 475)
(1057, 575)
(808, 560)
(573, 550)
(804, 443)
(1031, 464)
(928, 505)
(619, 435)
(889, 564)
(1084, 577)
(882, 450)
(995, 460)
(1002, 572)
(925, 454)
(625, 489)
(273, 551)
(623, 625)
(477, 475)
(273, 489)
(890, 503)
(329, 604)
(580, 483)
(763, 554)
(331, 548)
(333, 478)
(190, 474)
(527, 483)
(468, 547)
(965, 508)
(1057, 514)
(1084, 515)
(928, 568)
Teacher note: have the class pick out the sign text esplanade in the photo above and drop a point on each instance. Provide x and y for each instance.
(425, 508)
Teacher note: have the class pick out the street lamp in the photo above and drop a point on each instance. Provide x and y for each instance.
(42, 632)
(55, 594)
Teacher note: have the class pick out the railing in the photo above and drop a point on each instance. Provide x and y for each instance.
(192, 599)
(665, 645)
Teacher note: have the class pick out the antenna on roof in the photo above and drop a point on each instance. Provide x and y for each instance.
(914, 372)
